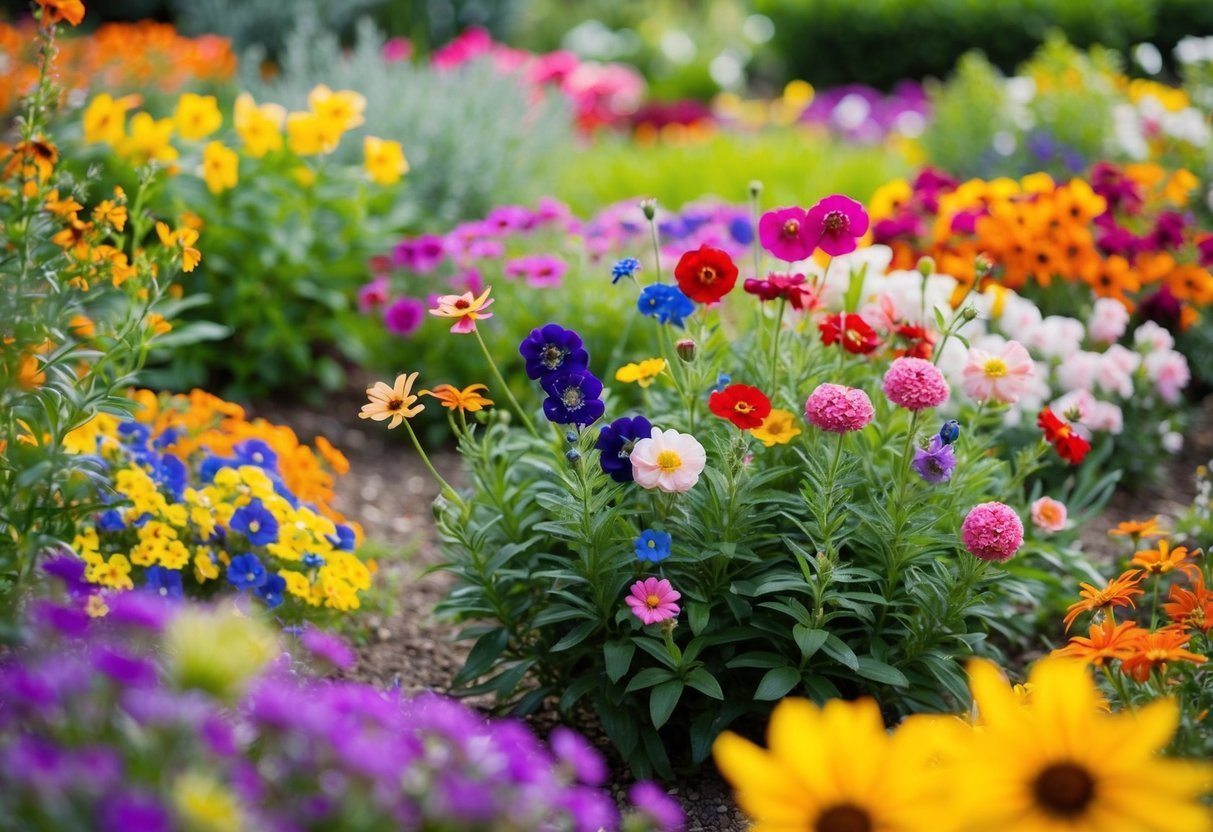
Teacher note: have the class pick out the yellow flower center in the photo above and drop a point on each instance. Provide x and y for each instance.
(791, 228)
(994, 368)
(669, 461)
(707, 275)
(653, 602)
(743, 407)
(1064, 790)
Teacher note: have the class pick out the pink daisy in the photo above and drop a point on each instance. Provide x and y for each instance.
(652, 600)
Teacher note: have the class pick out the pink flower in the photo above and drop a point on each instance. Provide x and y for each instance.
(397, 49)
(992, 531)
(1169, 372)
(1153, 337)
(1078, 371)
(668, 460)
(1114, 374)
(835, 223)
(838, 409)
(373, 295)
(404, 316)
(1049, 515)
(652, 600)
(540, 270)
(1108, 320)
(1003, 376)
(915, 384)
(784, 232)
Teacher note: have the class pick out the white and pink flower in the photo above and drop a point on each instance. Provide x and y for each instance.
(668, 460)
(1049, 515)
(1003, 376)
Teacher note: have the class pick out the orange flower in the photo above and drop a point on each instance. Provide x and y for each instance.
(1154, 650)
(70, 10)
(1119, 592)
(113, 213)
(184, 239)
(467, 400)
(82, 326)
(1191, 283)
(1111, 278)
(74, 238)
(1191, 608)
(1108, 641)
(65, 208)
(1078, 203)
(1163, 559)
(29, 374)
(1138, 529)
(158, 325)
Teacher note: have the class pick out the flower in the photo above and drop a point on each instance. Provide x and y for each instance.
(271, 590)
(627, 267)
(616, 442)
(328, 648)
(992, 531)
(1048, 514)
(656, 805)
(1119, 592)
(246, 572)
(915, 384)
(553, 349)
(1138, 529)
(652, 600)
(642, 373)
(1069, 445)
(778, 428)
(851, 330)
(384, 160)
(1154, 650)
(572, 397)
(838, 409)
(789, 286)
(1003, 377)
(1191, 608)
(258, 126)
(182, 239)
(395, 402)
(653, 546)
(255, 522)
(1108, 320)
(465, 309)
(197, 116)
(1163, 559)
(935, 462)
(220, 167)
(668, 460)
(164, 582)
(831, 768)
(540, 271)
(403, 316)
(835, 223)
(575, 751)
(746, 407)
(785, 233)
(950, 432)
(1108, 641)
(665, 303)
(70, 10)
(467, 400)
(705, 275)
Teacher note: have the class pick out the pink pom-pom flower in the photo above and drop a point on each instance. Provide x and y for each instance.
(838, 409)
(915, 384)
(652, 600)
(992, 531)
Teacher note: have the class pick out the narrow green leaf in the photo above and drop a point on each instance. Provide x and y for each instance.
(618, 657)
(776, 683)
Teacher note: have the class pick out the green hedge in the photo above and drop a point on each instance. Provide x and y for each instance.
(878, 42)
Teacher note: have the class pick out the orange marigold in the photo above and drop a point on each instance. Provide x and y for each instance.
(1155, 650)
(1108, 641)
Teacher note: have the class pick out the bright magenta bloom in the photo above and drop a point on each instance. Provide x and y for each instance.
(915, 384)
(785, 233)
(838, 409)
(652, 600)
(836, 223)
(992, 531)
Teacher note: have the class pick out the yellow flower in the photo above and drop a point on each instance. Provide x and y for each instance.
(183, 239)
(1038, 183)
(218, 649)
(205, 805)
(197, 116)
(889, 198)
(779, 428)
(642, 373)
(174, 555)
(114, 573)
(385, 162)
(1059, 763)
(342, 109)
(296, 583)
(219, 167)
(148, 140)
(1180, 186)
(307, 135)
(96, 606)
(258, 126)
(468, 399)
(105, 118)
(205, 568)
(158, 325)
(111, 213)
(393, 402)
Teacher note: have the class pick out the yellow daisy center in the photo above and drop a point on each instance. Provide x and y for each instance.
(652, 601)
(994, 368)
(791, 228)
(669, 461)
(1064, 790)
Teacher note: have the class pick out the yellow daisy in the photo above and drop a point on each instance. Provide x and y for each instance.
(395, 403)
(779, 428)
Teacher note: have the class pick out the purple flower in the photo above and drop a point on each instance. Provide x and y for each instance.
(129, 671)
(255, 522)
(572, 398)
(1205, 249)
(651, 800)
(615, 443)
(590, 809)
(935, 462)
(131, 810)
(34, 760)
(429, 251)
(404, 316)
(329, 648)
(69, 569)
(1168, 231)
(575, 751)
(256, 452)
(138, 609)
(552, 349)
(541, 271)
(69, 621)
(835, 223)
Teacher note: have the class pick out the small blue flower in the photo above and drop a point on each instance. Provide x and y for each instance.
(950, 432)
(653, 546)
(256, 452)
(313, 561)
(256, 522)
(271, 591)
(135, 434)
(627, 267)
(110, 521)
(212, 465)
(664, 302)
(164, 582)
(167, 437)
(615, 443)
(170, 472)
(246, 572)
(722, 381)
(553, 349)
(344, 539)
(741, 230)
(573, 398)
(141, 521)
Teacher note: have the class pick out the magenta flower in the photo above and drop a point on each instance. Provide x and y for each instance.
(785, 233)
(404, 316)
(540, 271)
(373, 295)
(992, 531)
(915, 384)
(652, 600)
(838, 409)
(835, 223)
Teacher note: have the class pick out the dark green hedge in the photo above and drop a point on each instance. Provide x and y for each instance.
(879, 42)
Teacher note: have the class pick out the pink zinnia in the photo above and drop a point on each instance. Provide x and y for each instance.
(652, 600)
(373, 295)
(1049, 515)
(838, 409)
(835, 223)
(915, 384)
(668, 460)
(992, 531)
(404, 316)
(784, 232)
(1004, 376)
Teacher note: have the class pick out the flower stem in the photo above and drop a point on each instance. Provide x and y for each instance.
(447, 490)
(831, 548)
(775, 346)
(656, 247)
(501, 381)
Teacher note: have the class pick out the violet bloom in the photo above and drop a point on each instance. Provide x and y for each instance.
(1168, 231)
(591, 810)
(653, 802)
(573, 398)
(373, 295)
(1205, 251)
(615, 443)
(329, 648)
(404, 316)
(507, 219)
(129, 671)
(835, 223)
(124, 812)
(70, 570)
(552, 349)
(429, 251)
(935, 462)
(142, 610)
(69, 621)
(575, 751)
(786, 234)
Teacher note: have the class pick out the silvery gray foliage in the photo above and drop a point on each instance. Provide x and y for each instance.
(265, 22)
(474, 138)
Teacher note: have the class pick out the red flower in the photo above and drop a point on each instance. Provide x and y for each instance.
(789, 286)
(746, 407)
(855, 334)
(705, 275)
(1070, 446)
(920, 341)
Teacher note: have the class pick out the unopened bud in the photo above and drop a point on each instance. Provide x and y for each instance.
(983, 265)
(926, 266)
(968, 313)
(649, 207)
(572, 455)
(686, 349)
(570, 436)
(755, 188)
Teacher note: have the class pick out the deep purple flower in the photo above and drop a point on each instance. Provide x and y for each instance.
(1204, 247)
(935, 462)
(97, 768)
(404, 316)
(69, 621)
(572, 398)
(1116, 239)
(138, 609)
(256, 522)
(69, 569)
(553, 349)
(129, 671)
(1121, 192)
(1168, 231)
(653, 801)
(575, 751)
(615, 443)
(1162, 307)
(34, 760)
(329, 648)
(130, 810)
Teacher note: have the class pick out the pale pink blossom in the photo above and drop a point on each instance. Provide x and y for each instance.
(1108, 321)
(1049, 515)
(1079, 370)
(1110, 378)
(1107, 418)
(1151, 336)
(1003, 376)
(1057, 337)
(1169, 372)
(668, 460)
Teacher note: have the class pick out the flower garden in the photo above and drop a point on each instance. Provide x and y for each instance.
(575, 420)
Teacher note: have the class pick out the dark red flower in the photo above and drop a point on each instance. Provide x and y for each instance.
(855, 334)
(920, 341)
(778, 285)
(746, 407)
(705, 275)
(1069, 445)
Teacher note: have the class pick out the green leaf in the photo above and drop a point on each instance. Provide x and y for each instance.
(878, 671)
(705, 683)
(698, 614)
(808, 640)
(576, 690)
(776, 683)
(662, 701)
(836, 649)
(575, 636)
(618, 658)
(483, 655)
(648, 677)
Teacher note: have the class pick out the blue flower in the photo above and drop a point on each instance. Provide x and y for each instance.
(271, 591)
(674, 228)
(741, 230)
(110, 521)
(344, 539)
(164, 582)
(553, 349)
(255, 522)
(167, 437)
(935, 462)
(135, 434)
(313, 561)
(665, 303)
(170, 472)
(653, 546)
(256, 452)
(573, 398)
(950, 432)
(246, 572)
(722, 381)
(627, 267)
(615, 443)
(212, 465)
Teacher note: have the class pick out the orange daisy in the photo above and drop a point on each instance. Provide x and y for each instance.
(1191, 608)
(468, 399)
(1119, 592)
(1108, 641)
(1156, 649)
(1164, 559)
(1138, 529)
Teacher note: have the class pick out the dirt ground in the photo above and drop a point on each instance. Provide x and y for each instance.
(390, 493)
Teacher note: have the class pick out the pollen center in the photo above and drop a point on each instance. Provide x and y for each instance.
(553, 356)
(707, 275)
(836, 222)
(994, 368)
(571, 397)
(743, 407)
(791, 228)
(669, 461)
(843, 818)
(1064, 789)
(653, 602)
(395, 404)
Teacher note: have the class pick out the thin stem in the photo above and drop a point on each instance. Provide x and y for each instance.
(656, 246)
(834, 463)
(448, 491)
(754, 242)
(783, 302)
(505, 387)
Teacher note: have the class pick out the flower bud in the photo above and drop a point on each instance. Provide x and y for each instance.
(950, 432)
(926, 266)
(572, 455)
(649, 207)
(686, 349)
(983, 265)
(755, 188)
(968, 313)
(570, 436)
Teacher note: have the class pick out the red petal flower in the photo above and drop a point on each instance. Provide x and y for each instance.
(1069, 445)
(705, 275)
(746, 407)
(856, 335)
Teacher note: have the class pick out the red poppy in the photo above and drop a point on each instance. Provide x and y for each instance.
(855, 334)
(1070, 446)
(920, 341)
(705, 275)
(746, 407)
